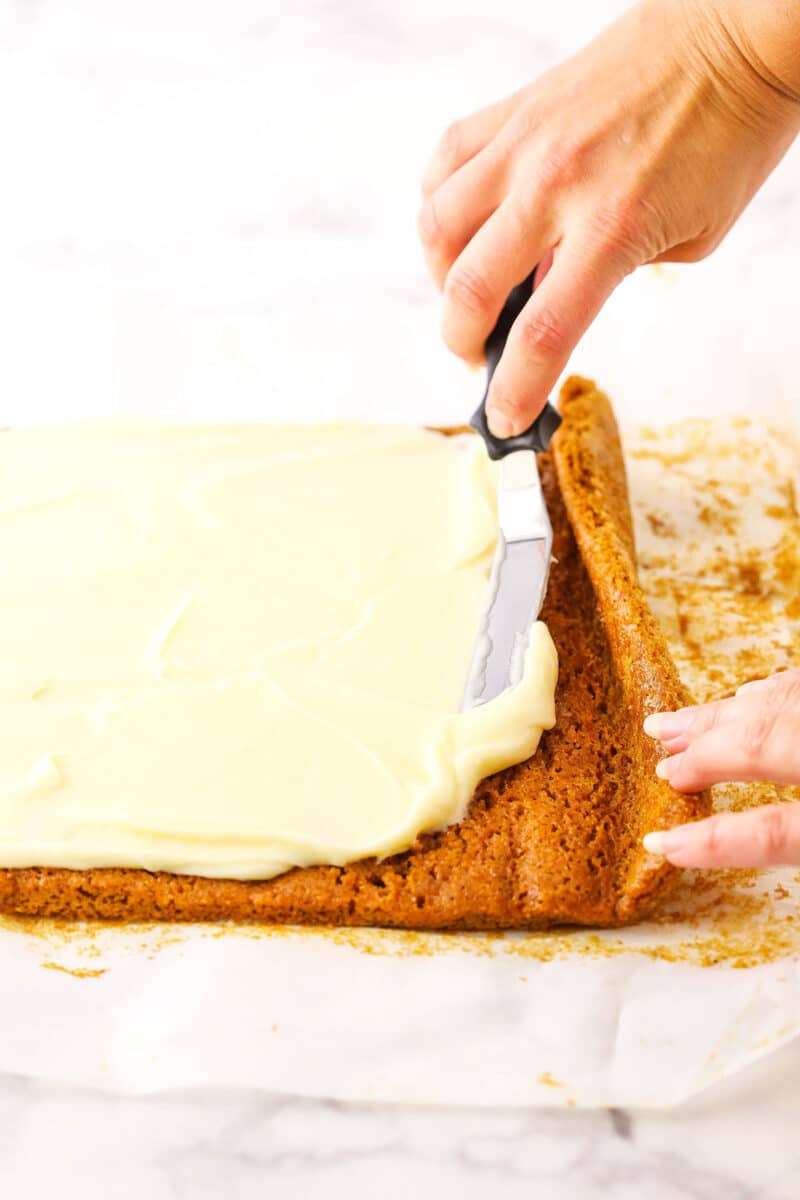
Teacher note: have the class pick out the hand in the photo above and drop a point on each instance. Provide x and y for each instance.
(754, 735)
(644, 147)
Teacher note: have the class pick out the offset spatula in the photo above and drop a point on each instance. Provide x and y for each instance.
(524, 546)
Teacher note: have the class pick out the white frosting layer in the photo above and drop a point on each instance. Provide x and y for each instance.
(232, 650)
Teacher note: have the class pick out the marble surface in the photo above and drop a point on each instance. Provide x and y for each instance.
(209, 208)
(738, 1142)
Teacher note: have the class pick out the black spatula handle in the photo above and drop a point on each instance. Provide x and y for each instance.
(537, 436)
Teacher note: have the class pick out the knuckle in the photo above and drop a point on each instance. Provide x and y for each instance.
(517, 131)
(788, 693)
(542, 334)
(607, 225)
(468, 290)
(560, 163)
(711, 841)
(509, 401)
(617, 227)
(706, 720)
(755, 735)
(773, 830)
(526, 207)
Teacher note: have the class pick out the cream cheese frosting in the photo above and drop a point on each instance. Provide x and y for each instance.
(230, 650)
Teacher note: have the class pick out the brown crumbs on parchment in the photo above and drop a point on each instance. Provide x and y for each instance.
(729, 603)
(549, 1080)
(76, 972)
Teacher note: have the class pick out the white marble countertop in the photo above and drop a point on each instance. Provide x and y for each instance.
(737, 1142)
(210, 208)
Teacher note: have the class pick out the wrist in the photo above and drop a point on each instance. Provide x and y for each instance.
(768, 37)
(753, 48)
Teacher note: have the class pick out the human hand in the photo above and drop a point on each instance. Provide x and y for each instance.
(754, 735)
(643, 147)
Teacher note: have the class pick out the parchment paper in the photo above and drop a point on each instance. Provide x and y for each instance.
(643, 1017)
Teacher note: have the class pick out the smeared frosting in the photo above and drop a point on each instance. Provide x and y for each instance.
(229, 650)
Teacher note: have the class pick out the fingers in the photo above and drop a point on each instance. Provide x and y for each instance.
(763, 837)
(765, 746)
(499, 257)
(462, 140)
(547, 330)
(676, 730)
(753, 735)
(452, 215)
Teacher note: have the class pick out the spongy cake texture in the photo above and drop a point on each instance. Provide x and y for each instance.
(554, 840)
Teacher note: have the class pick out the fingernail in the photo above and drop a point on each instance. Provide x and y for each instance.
(664, 841)
(654, 843)
(666, 767)
(652, 724)
(500, 424)
(667, 724)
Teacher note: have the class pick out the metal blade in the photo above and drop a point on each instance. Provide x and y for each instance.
(517, 584)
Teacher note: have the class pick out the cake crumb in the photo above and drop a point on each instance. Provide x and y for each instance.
(76, 972)
(549, 1080)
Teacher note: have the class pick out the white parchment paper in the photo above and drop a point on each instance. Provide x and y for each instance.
(462, 1024)
(646, 1016)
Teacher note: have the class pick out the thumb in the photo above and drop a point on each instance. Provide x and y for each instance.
(559, 312)
(762, 837)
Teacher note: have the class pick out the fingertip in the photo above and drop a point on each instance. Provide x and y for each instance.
(664, 843)
(680, 771)
(500, 424)
(509, 407)
(666, 767)
(654, 843)
(760, 837)
(519, 399)
(457, 338)
(665, 726)
(672, 730)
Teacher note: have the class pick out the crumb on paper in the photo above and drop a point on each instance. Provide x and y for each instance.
(76, 972)
(549, 1080)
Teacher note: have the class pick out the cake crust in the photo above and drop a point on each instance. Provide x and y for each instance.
(555, 840)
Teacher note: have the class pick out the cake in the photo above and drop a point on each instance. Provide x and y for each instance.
(554, 840)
